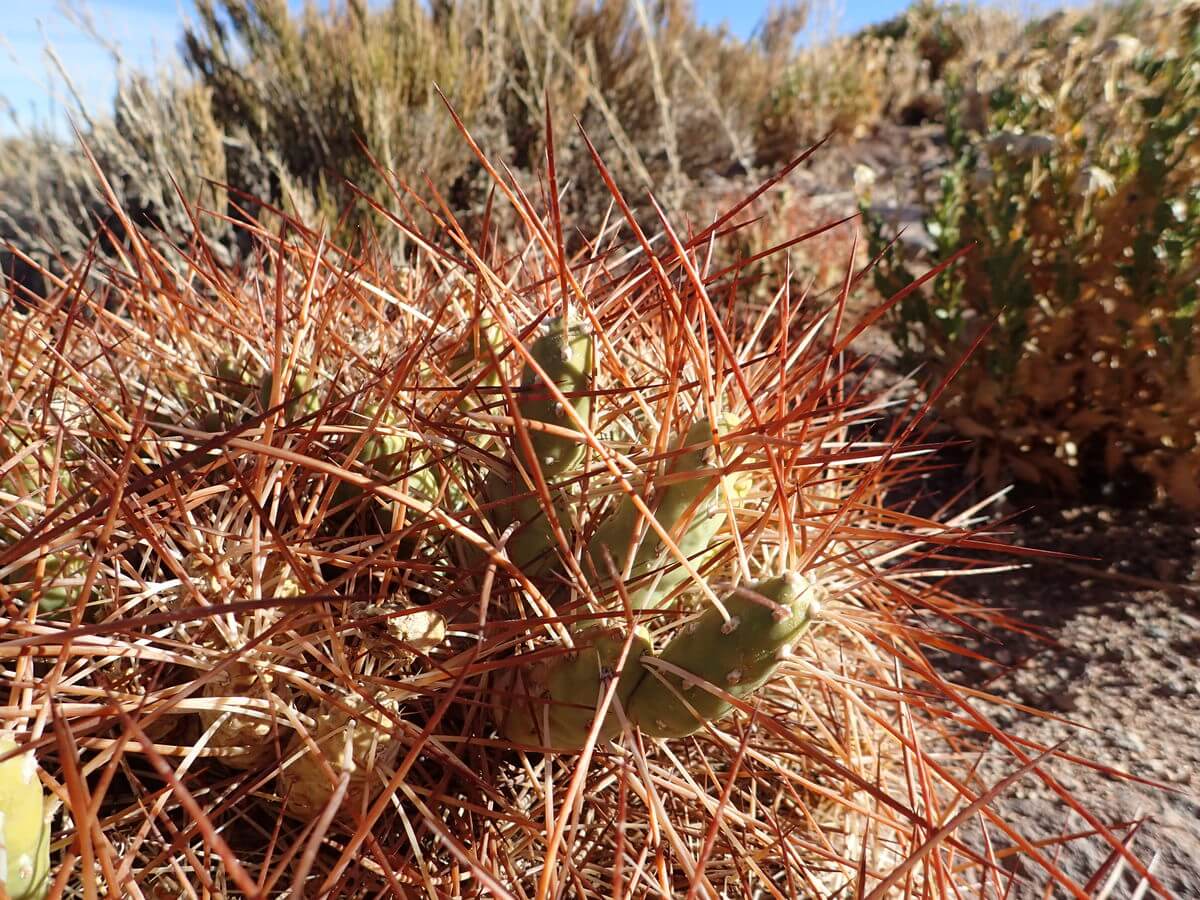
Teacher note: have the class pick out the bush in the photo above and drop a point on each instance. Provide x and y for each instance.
(664, 98)
(160, 151)
(888, 72)
(1076, 175)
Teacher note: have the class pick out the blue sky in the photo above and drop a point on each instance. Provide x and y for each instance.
(147, 33)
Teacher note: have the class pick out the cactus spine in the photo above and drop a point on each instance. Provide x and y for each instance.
(737, 656)
(24, 827)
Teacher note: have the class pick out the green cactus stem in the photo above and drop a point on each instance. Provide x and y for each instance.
(379, 451)
(24, 828)
(61, 582)
(697, 495)
(556, 700)
(301, 400)
(473, 355)
(62, 572)
(384, 454)
(737, 656)
(532, 544)
(567, 356)
(236, 377)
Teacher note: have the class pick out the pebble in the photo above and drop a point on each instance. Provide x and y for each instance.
(1065, 701)
(1129, 741)
(1176, 687)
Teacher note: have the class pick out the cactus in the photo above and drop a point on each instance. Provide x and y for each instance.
(61, 582)
(555, 701)
(532, 544)
(62, 571)
(697, 496)
(737, 655)
(358, 741)
(566, 353)
(237, 376)
(473, 354)
(299, 398)
(252, 732)
(380, 452)
(24, 826)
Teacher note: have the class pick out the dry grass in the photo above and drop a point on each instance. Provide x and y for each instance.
(672, 104)
(220, 575)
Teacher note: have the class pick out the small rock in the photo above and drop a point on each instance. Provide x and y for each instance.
(1127, 740)
(1175, 687)
(1065, 701)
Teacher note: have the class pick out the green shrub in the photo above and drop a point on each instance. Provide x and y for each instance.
(1076, 175)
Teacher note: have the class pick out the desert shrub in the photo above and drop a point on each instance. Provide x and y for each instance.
(887, 72)
(282, 105)
(1076, 175)
(160, 151)
(664, 98)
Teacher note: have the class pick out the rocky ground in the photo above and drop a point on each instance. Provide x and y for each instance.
(1121, 674)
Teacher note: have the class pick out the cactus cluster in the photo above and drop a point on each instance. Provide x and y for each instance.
(502, 575)
(645, 543)
(639, 549)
